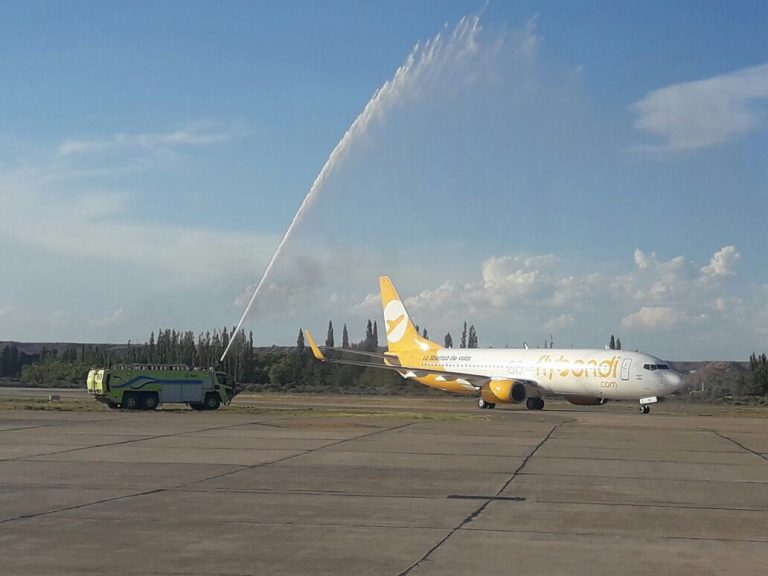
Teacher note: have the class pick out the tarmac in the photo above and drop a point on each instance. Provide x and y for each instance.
(577, 491)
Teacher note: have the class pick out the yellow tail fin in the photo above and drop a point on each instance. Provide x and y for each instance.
(402, 335)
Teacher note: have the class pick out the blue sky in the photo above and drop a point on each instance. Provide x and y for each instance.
(537, 168)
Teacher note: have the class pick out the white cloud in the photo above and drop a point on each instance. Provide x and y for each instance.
(508, 279)
(117, 317)
(5, 310)
(650, 318)
(573, 291)
(50, 206)
(722, 263)
(643, 261)
(704, 113)
(650, 306)
(560, 322)
(437, 299)
(195, 134)
(728, 305)
(657, 281)
(370, 304)
(99, 227)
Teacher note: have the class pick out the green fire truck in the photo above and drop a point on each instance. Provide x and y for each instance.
(145, 386)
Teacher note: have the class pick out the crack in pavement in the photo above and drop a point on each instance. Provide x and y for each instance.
(302, 453)
(739, 444)
(78, 506)
(124, 442)
(482, 507)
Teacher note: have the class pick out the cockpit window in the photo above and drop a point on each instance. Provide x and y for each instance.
(653, 367)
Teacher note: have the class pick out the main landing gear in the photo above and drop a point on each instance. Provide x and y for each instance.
(534, 403)
(645, 409)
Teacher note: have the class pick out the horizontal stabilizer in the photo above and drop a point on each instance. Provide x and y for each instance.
(315, 349)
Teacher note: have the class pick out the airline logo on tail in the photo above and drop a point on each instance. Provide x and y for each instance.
(395, 318)
(402, 336)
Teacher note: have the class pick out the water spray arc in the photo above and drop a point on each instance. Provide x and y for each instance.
(423, 60)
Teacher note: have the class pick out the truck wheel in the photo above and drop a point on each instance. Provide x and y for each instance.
(130, 401)
(212, 401)
(150, 401)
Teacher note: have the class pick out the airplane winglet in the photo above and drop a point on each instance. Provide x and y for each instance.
(315, 349)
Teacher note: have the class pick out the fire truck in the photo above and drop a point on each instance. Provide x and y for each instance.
(146, 386)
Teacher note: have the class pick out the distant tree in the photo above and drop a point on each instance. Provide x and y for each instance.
(375, 335)
(345, 337)
(448, 341)
(472, 343)
(368, 343)
(5, 361)
(329, 337)
(284, 373)
(758, 366)
(424, 333)
(618, 343)
(250, 365)
(152, 348)
(612, 343)
(188, 351)
(300, 343)
(224, 340)
(463, 343)
(216, 349)
(11, 361)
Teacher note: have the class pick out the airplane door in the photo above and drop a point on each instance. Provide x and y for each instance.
(625, 365)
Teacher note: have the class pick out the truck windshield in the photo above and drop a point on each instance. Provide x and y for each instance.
(224, 379)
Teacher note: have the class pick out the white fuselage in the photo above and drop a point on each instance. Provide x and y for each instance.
(605, 374)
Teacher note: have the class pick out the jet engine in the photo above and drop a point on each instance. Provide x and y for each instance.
(585, 400)
(512, 391)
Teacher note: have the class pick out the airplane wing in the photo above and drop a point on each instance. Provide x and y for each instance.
(323, 358)
(470, 381)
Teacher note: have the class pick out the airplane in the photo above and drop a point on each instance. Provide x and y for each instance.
(494, 375)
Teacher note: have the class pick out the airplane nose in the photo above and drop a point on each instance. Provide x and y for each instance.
(672, 380)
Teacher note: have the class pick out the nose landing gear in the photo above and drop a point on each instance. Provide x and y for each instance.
(645, 404)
